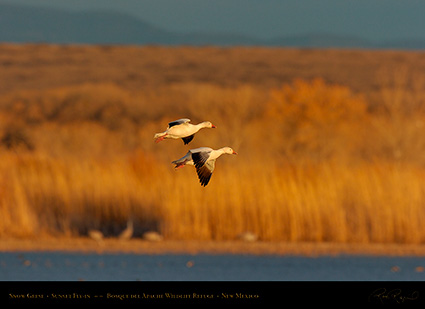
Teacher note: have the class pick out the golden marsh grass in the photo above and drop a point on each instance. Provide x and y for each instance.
(318, 161)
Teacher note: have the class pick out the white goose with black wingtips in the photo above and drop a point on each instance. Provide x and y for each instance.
(203, 159)
(182, 128)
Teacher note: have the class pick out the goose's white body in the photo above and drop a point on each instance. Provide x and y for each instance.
(182, 128)
(203, 159)
(96, 235)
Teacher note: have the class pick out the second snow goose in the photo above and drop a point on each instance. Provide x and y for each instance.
(181, 128)
(203, 159)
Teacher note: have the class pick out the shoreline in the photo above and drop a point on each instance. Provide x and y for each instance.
(181, 247)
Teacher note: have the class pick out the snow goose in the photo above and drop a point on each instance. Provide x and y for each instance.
(181, 128)
(96, 235)
(128, 232)
(203, 159)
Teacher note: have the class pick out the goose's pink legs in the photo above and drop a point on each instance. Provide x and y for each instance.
(159, 139)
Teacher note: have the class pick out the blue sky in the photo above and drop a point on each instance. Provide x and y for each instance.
(370, 19)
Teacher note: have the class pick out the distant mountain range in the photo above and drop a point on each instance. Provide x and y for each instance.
(34, 24)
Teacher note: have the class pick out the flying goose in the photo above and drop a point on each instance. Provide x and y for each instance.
(203, 159)
(181, 128)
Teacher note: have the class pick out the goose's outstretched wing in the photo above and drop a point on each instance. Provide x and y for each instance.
(204, 166)
(177, 122)
(205, 172)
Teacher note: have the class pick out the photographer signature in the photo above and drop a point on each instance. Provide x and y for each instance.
(395, 295)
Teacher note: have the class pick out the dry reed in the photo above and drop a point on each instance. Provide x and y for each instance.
(328, 202)
(317, 161)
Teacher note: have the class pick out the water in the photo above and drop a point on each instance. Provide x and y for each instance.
(41, 266)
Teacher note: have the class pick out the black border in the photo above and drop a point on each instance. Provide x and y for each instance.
(212, 292)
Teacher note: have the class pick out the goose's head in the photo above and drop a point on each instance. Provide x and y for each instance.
(229, 150)
(208, 124)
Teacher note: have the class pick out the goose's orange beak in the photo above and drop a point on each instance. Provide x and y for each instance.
(234, 152)
(213, 126)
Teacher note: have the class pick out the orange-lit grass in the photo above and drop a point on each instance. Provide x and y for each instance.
(332, 202)
(338, 173)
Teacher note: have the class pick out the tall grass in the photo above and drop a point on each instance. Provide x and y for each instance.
(328, 202)
(317, 162)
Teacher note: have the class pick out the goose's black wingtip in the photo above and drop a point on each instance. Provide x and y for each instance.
(204, 181)
(188, 139)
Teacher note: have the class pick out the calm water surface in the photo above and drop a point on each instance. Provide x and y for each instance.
(76, 266)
